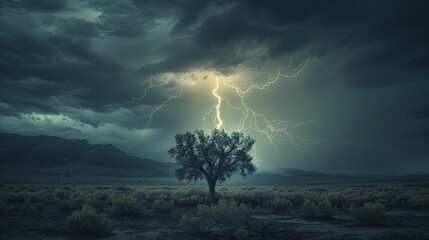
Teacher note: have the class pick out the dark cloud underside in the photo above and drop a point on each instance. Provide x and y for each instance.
(72, 58)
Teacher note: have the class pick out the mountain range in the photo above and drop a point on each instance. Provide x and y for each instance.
(48, 151)
(49, 159)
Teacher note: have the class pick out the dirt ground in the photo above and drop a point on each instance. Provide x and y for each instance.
(289, 225)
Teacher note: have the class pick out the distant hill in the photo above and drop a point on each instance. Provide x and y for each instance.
(55, 160)
(294, 172)
(48, 151)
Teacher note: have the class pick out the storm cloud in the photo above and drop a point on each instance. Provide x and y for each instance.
(78, 69)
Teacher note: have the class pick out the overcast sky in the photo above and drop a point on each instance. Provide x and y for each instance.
(351, 96)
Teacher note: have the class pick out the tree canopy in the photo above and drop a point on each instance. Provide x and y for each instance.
(215, 157)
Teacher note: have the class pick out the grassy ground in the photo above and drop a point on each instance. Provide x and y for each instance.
(243, 212)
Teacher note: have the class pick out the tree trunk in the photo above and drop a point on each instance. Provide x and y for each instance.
(212, 186)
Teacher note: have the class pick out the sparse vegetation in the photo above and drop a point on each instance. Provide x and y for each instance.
(281, 204)
(326, 209)
(310, 209)
(224, 216)
(418, 202)
(241, 210)
(190, 224)
(241, 233)
(370, 214)
(163, 206)
(89, 221)
(124, 205)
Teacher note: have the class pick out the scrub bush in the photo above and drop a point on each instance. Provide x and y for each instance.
(163, 206)
(281, 204)
(326, 209)
(89, 221)
(310, 209)
(125, 206)
(371, 214)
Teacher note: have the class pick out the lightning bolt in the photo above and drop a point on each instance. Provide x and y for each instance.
(161, 83)
(218, 119)
(170, 97)
(275, 130)
(152, 83)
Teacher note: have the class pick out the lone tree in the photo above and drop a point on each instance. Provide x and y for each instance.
(214, 157)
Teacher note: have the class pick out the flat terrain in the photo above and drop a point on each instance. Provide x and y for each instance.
(243, 212)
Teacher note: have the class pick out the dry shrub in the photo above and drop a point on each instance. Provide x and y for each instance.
(125, 206)
(370, 214)
(89, 221)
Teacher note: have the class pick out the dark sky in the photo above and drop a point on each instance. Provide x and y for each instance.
(359, 102)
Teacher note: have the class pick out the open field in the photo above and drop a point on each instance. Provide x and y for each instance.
(243, 212)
